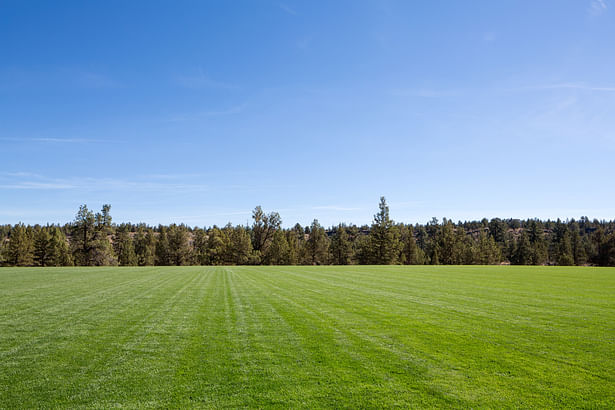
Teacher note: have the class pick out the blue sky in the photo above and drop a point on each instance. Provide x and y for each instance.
(198, 111)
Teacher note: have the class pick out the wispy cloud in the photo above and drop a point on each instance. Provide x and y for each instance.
(37, 185)
(576, 86)
(489, 37)
(95, 80)
(422, 92)
(32, 181)
(170, 176)
(598, 7)
(335, 208)
(203, 80)
(55, 140)
(304, 43)
(237, 109)
(288, 9)
(20, 174)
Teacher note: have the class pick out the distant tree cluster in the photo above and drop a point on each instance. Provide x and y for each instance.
(92, 239)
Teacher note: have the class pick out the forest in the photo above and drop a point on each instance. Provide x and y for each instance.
(92, 239)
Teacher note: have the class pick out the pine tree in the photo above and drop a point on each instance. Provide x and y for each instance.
(411, 253)
(317, 245)
(145, 247)
(523, 253)
(294, 245)
(239, 245)
(263, 228)
(60, 254)
(162, 248)
(384, 237)
(90, 237)
(102, 250)
(179, 246)
(449, 249)
(606, 250)
(123, 245)
(21, 247)
(42, 247)
(216, 246)
(489, 252)
(341, 247)
(3, 250)
(537, 243)
(565, 254)
(199, 247)
(83, 236)
(279, 251)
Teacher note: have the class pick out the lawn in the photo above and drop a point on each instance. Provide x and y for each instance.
(308, 337)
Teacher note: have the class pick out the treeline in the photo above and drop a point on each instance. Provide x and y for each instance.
(92, 239)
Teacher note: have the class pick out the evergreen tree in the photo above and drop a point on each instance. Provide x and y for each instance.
(239, 246)
(21, 247)
(163, 255)
(565, 255)
(83, 236)
(449, 248)
(279, 251)
(3, 251)
(199, 247)
(384, 237)
(537, 243)
(317, 245)
(42, 247)
(411, 253)
(124, 247)
(341, 247)
(216, 246)
(60, 254)
(263, 228)
(90, 238)
(179, 245)
(489, 253)
(606, 250)
(145, 247)
(102, 252)
(523, 254)
(294, 240)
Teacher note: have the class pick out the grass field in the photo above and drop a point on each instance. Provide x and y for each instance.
(307, 337)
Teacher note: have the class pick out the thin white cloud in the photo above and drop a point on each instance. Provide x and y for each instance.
(31, 181)
(95, 80)
(598, 7)
(335, 208)
(576, 86)
(422, 92)
(36, 185)
(21, 174)
(170, 176)
(304, 43)
(288, 9)
(202, 80)
(237, 109)
(489, 37)
(55, 140)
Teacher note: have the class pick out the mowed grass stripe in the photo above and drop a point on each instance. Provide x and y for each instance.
(307, 337)
(144, 350)
(48, 318)
(87, 291)
(342, 351)
(455, 332)
(86, 340)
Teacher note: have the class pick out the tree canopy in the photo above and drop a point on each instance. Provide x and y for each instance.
(93, 239)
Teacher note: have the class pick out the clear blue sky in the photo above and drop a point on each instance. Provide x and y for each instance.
(197, 111)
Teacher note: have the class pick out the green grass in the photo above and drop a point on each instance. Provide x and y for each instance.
(308, 337)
